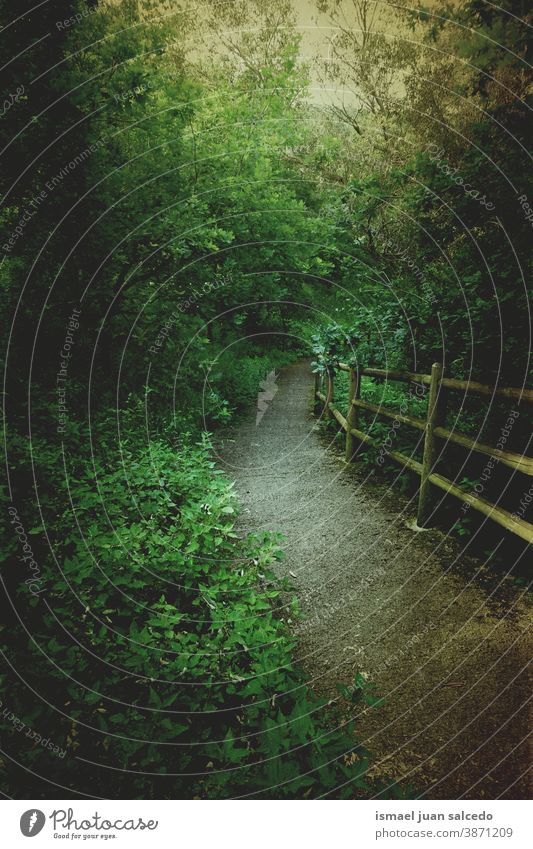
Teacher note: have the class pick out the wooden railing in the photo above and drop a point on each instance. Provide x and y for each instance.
(433, 429)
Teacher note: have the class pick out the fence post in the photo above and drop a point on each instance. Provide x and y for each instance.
(317, 389)
(329, 393)
(354, 391)
(430, 445)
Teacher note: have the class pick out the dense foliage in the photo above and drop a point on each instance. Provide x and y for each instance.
(158, 662)
(178, 221)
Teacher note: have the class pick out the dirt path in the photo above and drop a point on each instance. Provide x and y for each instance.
(443, 639)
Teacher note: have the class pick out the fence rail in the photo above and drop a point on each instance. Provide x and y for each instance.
(433, 429)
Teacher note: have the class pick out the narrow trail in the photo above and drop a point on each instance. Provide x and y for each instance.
(444, 639)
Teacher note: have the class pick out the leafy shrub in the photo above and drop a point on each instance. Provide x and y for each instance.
(240, 378)
(157, 652)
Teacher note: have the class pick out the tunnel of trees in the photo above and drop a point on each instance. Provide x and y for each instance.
(184, 212)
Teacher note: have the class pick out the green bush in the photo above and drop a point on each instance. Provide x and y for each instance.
(157, 652)
(240, 377)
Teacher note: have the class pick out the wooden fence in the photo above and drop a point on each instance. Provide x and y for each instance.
(433, 429)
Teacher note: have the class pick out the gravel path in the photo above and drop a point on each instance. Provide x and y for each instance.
(444, 640)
